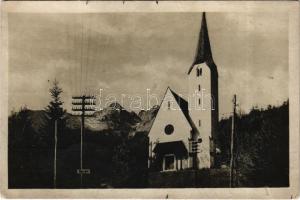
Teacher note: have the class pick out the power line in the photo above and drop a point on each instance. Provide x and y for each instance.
(87, 56)
(76, 61)
(69, 45)
(81, 54)
(84, 105)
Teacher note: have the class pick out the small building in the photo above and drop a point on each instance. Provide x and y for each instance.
(183, 133)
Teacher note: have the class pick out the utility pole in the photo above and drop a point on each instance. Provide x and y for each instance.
(55, 151)
(232, 141)
(84, 104)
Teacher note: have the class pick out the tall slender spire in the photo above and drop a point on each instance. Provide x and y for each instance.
(203, 52)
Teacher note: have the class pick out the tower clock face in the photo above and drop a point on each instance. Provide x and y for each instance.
(169, 129)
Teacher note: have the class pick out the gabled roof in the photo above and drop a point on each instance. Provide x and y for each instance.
(184, 106)
(203, 53)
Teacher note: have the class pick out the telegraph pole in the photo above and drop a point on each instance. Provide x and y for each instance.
(55, 148)
(55, 151)
(232, 141)
(84, 104)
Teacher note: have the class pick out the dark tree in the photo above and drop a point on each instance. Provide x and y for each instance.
(54, 110)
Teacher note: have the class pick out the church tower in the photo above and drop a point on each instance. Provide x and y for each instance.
(203, 98)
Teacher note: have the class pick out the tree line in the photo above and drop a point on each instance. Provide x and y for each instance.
(114, 158)
(261, 147)
(118, 160)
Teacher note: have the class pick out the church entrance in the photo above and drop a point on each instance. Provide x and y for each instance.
(169, 162)
(169, 156)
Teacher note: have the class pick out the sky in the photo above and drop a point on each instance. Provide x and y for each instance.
(128, 53)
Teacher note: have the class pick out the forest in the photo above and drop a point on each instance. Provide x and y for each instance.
(261, 147)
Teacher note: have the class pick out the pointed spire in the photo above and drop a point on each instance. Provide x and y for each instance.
(203, 52)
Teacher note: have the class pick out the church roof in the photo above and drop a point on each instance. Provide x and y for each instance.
(184, 106)
(203, 52)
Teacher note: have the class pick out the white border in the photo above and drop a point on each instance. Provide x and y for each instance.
(292, 7)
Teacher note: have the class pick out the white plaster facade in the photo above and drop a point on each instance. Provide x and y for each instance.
(175, 117)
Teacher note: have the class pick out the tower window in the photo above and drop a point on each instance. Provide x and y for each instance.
(199, 87)
(199, 71)
(199, 122)
(199, 101)
(169, 105)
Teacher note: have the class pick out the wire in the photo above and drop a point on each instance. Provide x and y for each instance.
(69, 44)
(76, 84)
(81, 53)
(87, 56)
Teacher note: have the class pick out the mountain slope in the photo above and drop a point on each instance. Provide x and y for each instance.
(147, 119)
(114, 117)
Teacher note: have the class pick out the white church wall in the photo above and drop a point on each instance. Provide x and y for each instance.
(200, 112)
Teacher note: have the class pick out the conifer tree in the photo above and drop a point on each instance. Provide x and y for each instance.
(54, 110)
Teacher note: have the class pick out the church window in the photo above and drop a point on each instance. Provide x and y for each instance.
(199, 122)
(199, 87)
(169, 162)
(169, 105)
(169, 129)
(199, 101)
(199, 71)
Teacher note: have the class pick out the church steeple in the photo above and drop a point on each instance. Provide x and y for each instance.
(203, 52)
(203, 90)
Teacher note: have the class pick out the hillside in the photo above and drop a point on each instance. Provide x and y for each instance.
(113, 117)
(261, 147)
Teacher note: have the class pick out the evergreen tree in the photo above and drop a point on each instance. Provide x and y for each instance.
(54, 110)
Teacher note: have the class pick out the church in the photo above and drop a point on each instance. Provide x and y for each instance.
(184, 131)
